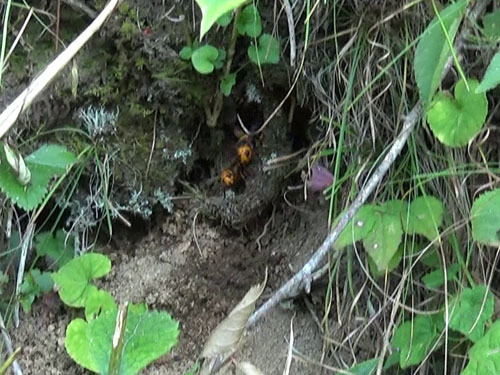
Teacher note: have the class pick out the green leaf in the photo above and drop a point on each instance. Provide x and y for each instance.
(433, 50)
(470, 311)
(185, 53)
(203, 59)
(249, 22)
(425, 216)
(148, 335)
(35, 284)
(211, 10)
(59, 248)
(484, 356)
(491, 78)
(364, 368)
(74, 278)
(97, 302)
(225, 19)
(55, 158)
(358, 228)
(266, 52)
(485, 217)
(221, 57)
(43, 280)
(491, 23)
(435, 279)
(227, 83)
(383, 241)
(455, 121)
(415, 339)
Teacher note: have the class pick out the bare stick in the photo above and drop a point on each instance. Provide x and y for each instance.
(118, 340)
(8, 344)
(24, 100)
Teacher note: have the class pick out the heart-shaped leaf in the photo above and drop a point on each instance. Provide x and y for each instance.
(455, 121)
(383, 241)
(433, 50)
(249, 22)
(211, 10)
(425, 216)
(266, 52)
(484, 356)
(485, 217)
(204, 59)
(491, 78)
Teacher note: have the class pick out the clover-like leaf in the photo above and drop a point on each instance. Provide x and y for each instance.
(425, 216)
(491, 23)
(471, 310)
(74, 277)
(414, 339)
(204, 58)
(211, 10)
(148, 335)
(358, 228)
(491, 78)
(485, 217)
(249, 22)
(455, 121)
(267, 51)
(226, 84)
(484, 356)
(383, 241)
(433, 49)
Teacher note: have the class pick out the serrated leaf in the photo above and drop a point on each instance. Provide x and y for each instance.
(203, 59)
(226, 84)
(59, 248)
(357, 228)
(228, 333)
(433, 50)
(435, 279)
(74, 277)
(185, 53)
(55, 158)
(383, 241)
(491, 78)
(249, 22)
(267, 50)
(414, 339)
(425, 216)
(484, 356)
(485, 217)
(246, 368)
(455, 121)
(491, 23)
(148, 335)
(468, 312)
(211, 10)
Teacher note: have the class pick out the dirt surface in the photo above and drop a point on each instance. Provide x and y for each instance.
(198, 270)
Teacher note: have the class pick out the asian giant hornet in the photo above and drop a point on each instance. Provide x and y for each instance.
(244, 152)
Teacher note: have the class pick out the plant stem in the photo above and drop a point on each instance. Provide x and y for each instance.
(213, 116)
(118, 340)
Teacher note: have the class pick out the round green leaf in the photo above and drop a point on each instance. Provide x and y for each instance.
(455, 121)
(185, 53)
(485, 217)
(249, 22)
(425, 216)
(266, 52)
(203, 59)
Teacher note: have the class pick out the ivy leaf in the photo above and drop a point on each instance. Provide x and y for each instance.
(491, 78)
(491, 23)
(211, 10)
(415, 339)
(226, 84)
(249, 22)
(148, 335)
(435, 279)
(425, 216)
(484, 356)
(455, 121)
(383, 241)
(267, 50)
(74, 278)
(59, 248)
(433, 50)
(485, 217)
(358, 228)
(470, 312)
(203, 59)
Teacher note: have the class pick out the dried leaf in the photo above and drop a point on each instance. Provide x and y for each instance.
(246, 368)
(228, 333)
